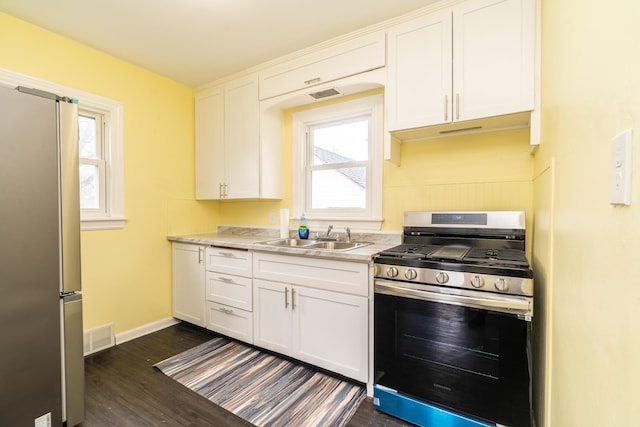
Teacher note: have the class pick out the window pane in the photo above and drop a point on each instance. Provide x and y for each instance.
(339, 188)
(87, 136)
(340, 142)
(89, 187)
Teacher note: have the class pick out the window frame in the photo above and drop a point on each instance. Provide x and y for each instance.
(367, 219)
(113, 114)
(99, 161)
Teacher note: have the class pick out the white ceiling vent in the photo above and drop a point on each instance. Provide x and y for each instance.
(324, 93)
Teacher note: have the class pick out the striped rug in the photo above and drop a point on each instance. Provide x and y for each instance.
(262, 388)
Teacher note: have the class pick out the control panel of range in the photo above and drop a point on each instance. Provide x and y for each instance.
(458, 279)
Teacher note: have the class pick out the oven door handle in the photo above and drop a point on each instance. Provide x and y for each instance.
(514, 306)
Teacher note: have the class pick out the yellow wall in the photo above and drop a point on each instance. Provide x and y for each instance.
(590, 93)
(479, 172)
(126, 273)
(489, 171)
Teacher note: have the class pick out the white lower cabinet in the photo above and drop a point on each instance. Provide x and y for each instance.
(326, 328)
(229, 296)
(188, 283)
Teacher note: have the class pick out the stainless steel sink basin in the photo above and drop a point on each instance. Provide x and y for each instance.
(315, 244)
(291, 243)
(338, 246)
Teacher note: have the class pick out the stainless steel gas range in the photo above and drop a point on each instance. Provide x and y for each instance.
(453, 306)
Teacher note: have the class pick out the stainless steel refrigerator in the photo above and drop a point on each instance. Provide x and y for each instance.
(41, 360)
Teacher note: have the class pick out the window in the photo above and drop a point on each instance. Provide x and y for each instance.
(93, 168)
(337, 172)
(101, 139)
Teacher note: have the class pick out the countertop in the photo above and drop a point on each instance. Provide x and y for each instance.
(252, 239)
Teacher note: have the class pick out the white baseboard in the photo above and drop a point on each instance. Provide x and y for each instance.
(145, 329)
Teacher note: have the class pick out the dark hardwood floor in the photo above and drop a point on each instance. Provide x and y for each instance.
(124, 389)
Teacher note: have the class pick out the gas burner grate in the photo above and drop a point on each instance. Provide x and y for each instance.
(409, 251)
(492, 256)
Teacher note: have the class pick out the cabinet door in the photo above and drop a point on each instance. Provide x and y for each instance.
(272, 316)
(493, 45)
(242, 133)
(189, 283)
(419, 72)
(330, 331)
(210, 160)
(346, 59)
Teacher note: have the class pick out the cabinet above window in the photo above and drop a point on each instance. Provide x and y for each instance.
(346, 59)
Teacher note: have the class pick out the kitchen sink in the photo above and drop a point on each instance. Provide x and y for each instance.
(290, 243)
(316, 244)
(338, 246)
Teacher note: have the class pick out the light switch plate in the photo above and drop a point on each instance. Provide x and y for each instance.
(621, 169)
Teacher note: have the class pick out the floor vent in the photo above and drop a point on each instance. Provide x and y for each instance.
(98, 339)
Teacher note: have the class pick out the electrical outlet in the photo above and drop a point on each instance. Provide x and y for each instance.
(272, 217)
(621, 169)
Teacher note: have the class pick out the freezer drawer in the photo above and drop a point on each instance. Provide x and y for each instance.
(73, 360)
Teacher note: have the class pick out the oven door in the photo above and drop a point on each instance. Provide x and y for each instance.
(464, 351)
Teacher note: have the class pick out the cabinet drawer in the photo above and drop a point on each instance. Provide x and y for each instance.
(333, 275)
(230, 321)
(230, 261)
(349, 58)
(227, 289)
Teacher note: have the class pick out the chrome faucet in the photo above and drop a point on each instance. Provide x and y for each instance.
(329, 230)
(348, 232)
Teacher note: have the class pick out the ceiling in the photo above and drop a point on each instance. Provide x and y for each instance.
(198, 41)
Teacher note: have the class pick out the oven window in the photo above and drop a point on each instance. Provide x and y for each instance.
(461, 358)
(460, 340)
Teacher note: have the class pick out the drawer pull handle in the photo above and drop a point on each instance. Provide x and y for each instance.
(225, 279)
(226, 310)
(227, 254)
(293, 301)
(312, 81)
(286, 297)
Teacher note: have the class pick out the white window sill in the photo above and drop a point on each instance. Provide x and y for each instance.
(109, 223)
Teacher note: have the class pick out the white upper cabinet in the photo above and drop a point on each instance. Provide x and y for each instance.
(242, 139)
(230, 160)
(472, 61)
(419, 73)
(493, 57)
(333, 63)
(210, 163)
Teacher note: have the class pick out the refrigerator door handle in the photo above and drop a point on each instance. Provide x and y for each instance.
(69, 189)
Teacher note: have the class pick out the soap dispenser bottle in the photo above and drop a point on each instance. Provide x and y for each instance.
(303, 231)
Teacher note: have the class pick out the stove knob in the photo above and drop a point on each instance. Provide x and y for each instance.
(442, 277)
(392, 272)
(477, 281)
(502, 285)
(410, 274)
